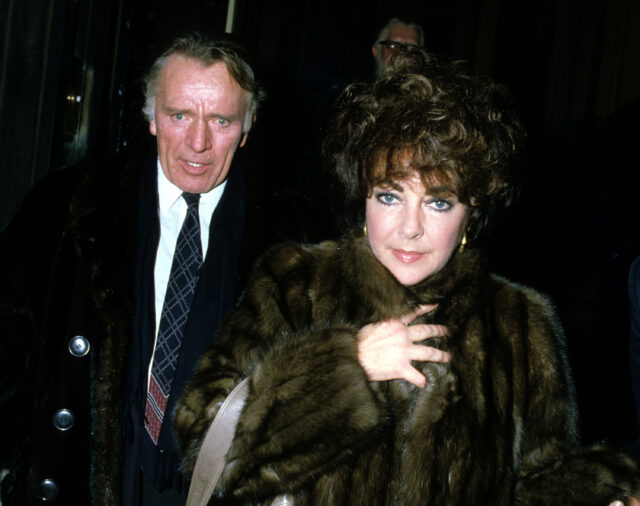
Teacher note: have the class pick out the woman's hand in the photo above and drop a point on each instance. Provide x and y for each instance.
(386, 349)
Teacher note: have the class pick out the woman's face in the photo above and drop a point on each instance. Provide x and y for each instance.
(413, 230)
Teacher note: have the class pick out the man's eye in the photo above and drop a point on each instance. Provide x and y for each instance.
(221, 121)
(178, 116)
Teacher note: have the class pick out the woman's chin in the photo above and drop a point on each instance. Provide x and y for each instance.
(410, 275)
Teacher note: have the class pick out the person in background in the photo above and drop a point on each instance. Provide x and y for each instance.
(390, 366)
(396, 34)
(115, 276)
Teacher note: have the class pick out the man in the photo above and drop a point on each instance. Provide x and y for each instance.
(395, 34)
(102, 323)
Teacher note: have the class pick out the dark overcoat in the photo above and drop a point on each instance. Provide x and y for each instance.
(70, 267)
(66, 271)
(497, 425)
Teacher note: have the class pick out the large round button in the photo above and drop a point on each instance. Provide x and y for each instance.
(79, 346)
(47, 490)
(63, 419)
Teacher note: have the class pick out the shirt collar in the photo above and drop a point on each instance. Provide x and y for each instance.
(169, 194)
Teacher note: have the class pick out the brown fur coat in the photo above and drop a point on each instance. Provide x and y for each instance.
(495, 426)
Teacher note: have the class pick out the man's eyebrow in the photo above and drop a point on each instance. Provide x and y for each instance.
(186, 109)
(230, 116)
(173, 109)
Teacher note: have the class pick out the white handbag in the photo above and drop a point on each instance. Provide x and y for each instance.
(215, 446)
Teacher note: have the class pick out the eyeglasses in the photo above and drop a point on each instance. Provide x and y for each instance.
(393, 45)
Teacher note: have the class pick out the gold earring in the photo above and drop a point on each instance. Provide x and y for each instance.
(463, 243)
(364, 230)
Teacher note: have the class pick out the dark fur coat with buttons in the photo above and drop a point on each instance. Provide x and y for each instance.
(497, 425)
(65, 270)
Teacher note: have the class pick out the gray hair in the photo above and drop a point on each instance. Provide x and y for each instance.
(384, 33)
(205, 51)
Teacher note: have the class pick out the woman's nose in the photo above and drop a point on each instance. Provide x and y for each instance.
(412, 226)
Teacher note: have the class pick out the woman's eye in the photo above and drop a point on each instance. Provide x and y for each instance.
(386, 198)
(440, 204)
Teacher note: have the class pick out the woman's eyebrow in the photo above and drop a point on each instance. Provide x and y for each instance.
(388, 183)
(440, 190)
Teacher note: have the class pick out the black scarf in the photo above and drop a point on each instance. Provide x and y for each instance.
(213, 299)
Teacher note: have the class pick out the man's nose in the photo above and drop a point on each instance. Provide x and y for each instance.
(199, 137)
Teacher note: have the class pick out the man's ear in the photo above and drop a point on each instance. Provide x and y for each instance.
(152, 127)
(246, 134)
(374, 50)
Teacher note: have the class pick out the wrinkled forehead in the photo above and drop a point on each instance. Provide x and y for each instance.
(187, 79)
(180, 70)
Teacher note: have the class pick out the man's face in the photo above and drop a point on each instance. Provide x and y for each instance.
(398, 33)
(199, 115)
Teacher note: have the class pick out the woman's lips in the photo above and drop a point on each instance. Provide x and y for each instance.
(407, 257)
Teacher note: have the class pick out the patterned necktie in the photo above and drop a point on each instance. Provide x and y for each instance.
(187, 260)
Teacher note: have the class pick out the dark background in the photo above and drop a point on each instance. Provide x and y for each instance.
(70, 80)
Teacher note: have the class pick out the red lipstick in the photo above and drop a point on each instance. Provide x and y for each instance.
(407, 257)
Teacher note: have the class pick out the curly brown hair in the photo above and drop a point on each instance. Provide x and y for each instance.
(431, 116)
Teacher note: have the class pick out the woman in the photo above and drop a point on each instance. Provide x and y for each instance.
(390, 367)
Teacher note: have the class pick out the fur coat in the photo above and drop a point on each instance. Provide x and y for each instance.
(65, 271)
(69, 267)
(497, 425)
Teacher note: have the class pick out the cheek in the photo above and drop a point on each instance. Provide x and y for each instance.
(380, 227)
(226, 140)
(448, 235)
(235, 139)
(167, 137)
